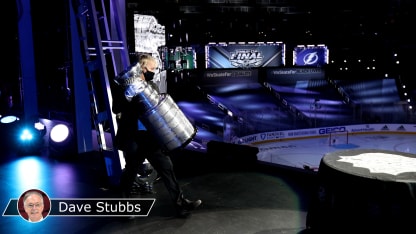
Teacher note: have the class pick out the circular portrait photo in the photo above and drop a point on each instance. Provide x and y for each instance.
(34, 205)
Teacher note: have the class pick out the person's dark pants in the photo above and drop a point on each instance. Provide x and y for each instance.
(164, 167)
(141, 148)
(133, 161)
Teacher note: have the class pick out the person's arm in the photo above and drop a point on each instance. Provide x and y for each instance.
(118, 99)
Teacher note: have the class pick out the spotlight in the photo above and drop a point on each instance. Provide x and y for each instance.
(26, 135)
(29, 138)
(9, 119)
(61, 140)
(59, 133)
(8, 128)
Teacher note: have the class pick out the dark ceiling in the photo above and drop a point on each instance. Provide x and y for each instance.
(346, 26)
(350, 28)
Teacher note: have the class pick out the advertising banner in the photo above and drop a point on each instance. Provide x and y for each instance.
(229, 76)
(280, 75)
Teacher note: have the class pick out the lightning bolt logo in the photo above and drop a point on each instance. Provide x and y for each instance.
(310, 58)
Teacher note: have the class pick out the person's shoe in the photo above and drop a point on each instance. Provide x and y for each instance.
(191, 205)
(186, 206)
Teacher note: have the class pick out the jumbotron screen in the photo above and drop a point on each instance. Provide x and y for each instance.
(149, 35)
(247, 55)
(310, 55)
(179, 57)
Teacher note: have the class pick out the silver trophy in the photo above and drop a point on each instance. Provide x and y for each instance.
(158, 113)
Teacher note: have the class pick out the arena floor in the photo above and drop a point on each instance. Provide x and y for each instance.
(261, 198)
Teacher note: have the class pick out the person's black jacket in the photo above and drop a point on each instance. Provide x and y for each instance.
(128, 115)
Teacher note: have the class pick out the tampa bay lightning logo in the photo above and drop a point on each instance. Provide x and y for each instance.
(310, 58)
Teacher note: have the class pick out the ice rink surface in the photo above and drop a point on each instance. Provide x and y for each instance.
(307, 153)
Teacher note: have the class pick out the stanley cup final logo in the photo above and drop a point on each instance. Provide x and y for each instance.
(246, 58)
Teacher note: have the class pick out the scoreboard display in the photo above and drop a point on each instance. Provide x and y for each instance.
(310, 55)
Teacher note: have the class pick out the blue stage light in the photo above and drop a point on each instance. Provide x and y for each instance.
(29, 138)
(9, 119)
(8, 130)
(26, 135)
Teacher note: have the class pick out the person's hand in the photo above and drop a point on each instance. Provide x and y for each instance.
(136, 87)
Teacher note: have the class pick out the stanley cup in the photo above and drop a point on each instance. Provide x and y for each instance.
(158, 113)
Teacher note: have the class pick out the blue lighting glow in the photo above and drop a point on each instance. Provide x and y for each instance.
(9, 119)
(28, 138)
(26, 135)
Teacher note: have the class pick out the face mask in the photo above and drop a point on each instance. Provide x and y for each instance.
(148, 76)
